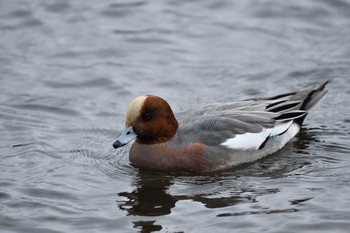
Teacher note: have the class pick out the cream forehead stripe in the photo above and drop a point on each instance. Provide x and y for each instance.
(134, 110)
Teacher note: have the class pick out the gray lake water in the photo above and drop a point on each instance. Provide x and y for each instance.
(69, 69)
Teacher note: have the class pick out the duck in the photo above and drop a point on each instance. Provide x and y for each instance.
(216, 136)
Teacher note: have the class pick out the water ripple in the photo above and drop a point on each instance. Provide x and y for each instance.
(47, 109)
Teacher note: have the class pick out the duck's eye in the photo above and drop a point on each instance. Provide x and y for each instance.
(147, 116)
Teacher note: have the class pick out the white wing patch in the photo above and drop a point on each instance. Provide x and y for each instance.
(250, 141)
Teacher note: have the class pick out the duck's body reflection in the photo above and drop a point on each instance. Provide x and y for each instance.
(150, 197)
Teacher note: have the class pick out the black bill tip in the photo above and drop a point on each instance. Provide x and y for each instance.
(118, 144)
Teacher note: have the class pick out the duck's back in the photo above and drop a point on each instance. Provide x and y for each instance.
(241, 132)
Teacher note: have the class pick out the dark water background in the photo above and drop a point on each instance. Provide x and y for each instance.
(68, 70)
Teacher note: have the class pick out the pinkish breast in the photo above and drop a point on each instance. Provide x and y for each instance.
(163, 157)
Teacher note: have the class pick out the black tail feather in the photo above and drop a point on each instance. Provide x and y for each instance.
(314, 96)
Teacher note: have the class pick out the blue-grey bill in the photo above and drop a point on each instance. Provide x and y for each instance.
(126, 136)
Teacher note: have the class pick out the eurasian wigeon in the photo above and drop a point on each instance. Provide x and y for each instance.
(215, 136)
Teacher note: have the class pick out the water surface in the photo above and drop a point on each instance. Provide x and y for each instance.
(70, 68)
